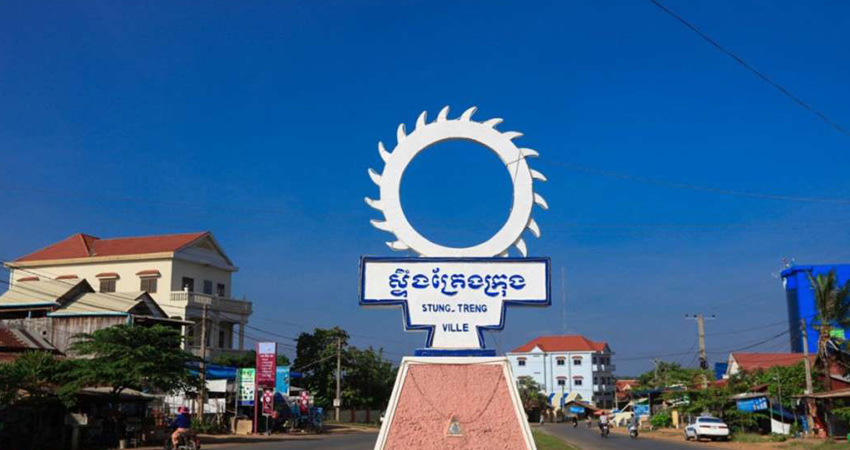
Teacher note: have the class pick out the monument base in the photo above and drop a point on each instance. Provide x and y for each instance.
(465, 403)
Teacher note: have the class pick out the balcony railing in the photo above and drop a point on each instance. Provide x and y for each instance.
(214, 302)
(604, 367)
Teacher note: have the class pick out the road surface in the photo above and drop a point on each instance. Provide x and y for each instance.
(588, 439)
(346, 441)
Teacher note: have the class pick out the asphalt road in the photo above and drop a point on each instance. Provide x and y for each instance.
(588, 439)
(347, 441)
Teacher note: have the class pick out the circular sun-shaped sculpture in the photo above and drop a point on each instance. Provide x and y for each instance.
(463, 128)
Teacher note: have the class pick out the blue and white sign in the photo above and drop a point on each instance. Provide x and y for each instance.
(752, 404)
(642, 409)
(454, 300)
(282, 380)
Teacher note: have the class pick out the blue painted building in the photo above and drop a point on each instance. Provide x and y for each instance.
(801, 300)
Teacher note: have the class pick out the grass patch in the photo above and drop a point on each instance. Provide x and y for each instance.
(815, 445)
(749, 437)
(548, 442)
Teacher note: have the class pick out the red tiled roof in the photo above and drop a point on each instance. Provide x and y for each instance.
(756, 361)
(149, 273)
(108, 275)
(565, 343)
(83, 246)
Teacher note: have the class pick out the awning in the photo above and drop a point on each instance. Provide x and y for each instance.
(840, 393)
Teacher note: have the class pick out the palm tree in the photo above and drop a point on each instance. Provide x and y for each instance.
(833, 310)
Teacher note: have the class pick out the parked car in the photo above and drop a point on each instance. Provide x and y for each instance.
(707, 427)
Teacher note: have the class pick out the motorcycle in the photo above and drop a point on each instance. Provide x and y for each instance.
(187, 441)
(633, 432)
(604, 430)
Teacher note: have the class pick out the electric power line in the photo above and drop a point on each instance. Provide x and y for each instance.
(764, 77)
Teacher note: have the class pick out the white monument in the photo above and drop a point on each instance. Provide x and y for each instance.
(454, 295)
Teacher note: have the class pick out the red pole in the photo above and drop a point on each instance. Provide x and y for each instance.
(256, 400)
(256, 403)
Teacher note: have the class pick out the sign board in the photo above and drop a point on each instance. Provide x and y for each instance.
(268, 402)
(752, 404)
(454, 300)
(281, 385)
(245, 378)
(337, 403)
(266, 362)
(577, 409)
(642, 409)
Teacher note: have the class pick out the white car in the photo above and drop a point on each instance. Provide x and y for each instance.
(707, 427)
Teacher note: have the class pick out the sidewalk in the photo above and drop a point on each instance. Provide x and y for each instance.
(227, 440)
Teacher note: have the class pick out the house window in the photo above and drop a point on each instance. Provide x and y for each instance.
(520, 362)
(577, 381)
(595, 380)
(562, 382)
(221, 339)
(107, 285)
(149, 284)
(219, 290)
(595, 360)
(576, 361)
(561, 361)
(188, 284)
(208, 287)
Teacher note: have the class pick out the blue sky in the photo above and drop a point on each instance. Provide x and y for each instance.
(258, 121)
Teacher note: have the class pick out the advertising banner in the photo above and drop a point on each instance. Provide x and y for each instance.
(282, 383)
(245, 377)
(268, 402)
(266, 362)
(752, 404)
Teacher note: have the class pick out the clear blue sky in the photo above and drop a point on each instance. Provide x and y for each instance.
(258, 121)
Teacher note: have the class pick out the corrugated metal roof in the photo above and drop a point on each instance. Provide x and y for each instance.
(114, 302)
(30, 292)
(16, 339)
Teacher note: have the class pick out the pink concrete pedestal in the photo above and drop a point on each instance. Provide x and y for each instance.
(475, 392)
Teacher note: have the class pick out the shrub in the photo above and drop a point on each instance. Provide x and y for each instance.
(661, 420)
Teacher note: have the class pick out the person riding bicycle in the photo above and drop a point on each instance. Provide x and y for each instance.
(182, 422)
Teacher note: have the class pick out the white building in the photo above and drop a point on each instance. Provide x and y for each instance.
(181, 272)
(565, 365)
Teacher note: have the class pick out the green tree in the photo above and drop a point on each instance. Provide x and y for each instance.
(244, 360)
(833, 310)
(670, 374)
(132, 357)
(787, 380)
(30, 384)
(368, 379)
(532, 397)
(316, 358)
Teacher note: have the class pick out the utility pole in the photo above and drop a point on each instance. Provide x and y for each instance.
(203, 361)
(807, 364)
(700, 318)
(337, 401)
(806, 361)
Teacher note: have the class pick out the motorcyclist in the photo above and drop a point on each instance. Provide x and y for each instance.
(182, 423)
(633, 424)
(603, 422)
